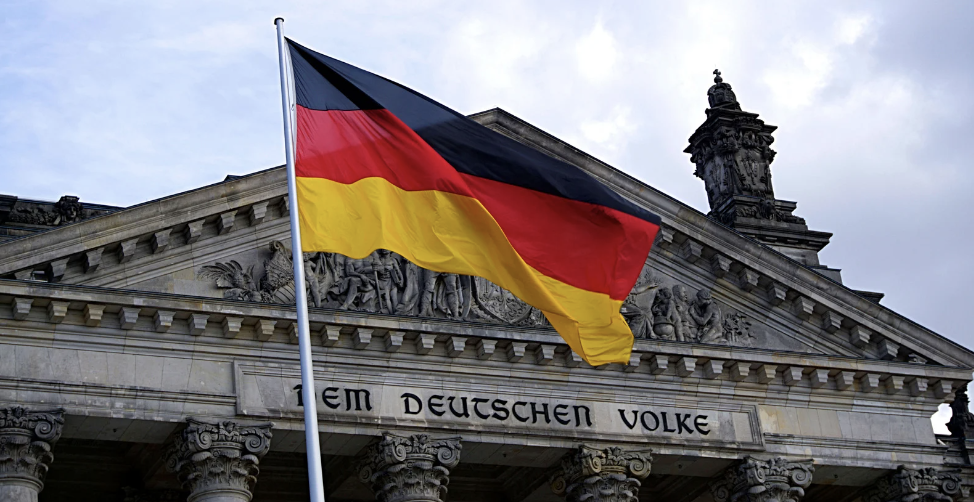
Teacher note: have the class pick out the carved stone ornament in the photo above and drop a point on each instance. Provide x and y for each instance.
(26, 439)
(385, 282)
(412, 468)
(218, 460)
(609, 475)
(753, 480)
(68, 209)
(673, 315)
(916, 485)
(382, 282)
(732, 153)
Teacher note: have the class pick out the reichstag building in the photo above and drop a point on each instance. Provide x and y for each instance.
(149, 354)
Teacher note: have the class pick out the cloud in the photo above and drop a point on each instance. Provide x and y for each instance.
(597, 54)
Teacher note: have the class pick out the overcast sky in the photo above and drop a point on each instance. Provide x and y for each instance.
(123, 102)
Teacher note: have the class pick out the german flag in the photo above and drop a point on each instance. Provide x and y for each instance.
(380, 166)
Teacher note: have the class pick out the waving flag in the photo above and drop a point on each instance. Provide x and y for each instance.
(380, 166)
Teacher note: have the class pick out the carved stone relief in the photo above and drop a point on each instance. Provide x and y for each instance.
(382, 282)
(658, 311)
(387, 283)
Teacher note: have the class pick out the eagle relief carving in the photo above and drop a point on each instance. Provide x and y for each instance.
(386, 283)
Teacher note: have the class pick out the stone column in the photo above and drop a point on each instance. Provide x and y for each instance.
(218, 462)
(609, 475)
(414, 468)
(916, 485)
(754, 480)
(26, 439)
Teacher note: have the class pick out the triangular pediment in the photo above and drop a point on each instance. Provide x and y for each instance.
(703, 283)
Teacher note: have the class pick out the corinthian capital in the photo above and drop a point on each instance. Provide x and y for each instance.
(916, 485)
(753, 480)
(220, 458)
(609, 475)
(26, 439)
(414, 468)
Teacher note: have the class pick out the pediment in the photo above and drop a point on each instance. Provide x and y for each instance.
(702, 284)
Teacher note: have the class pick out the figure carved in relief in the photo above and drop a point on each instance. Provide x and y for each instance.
(706, 314)
(388, 278)
(357, 285)
(681, 304)
(441, 291)
(665, 318)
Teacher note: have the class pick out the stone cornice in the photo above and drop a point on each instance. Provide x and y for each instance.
(363, 336)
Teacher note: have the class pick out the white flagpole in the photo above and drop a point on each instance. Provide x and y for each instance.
(315, 481)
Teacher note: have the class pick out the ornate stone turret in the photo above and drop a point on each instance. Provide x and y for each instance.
(609, 475)
(414, 468)
(733, 155)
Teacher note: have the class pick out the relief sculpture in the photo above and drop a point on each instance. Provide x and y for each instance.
(386, 283)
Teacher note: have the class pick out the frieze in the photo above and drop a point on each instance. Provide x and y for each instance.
(498, 409)
(385, 282)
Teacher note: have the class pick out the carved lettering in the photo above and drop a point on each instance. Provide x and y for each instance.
(437, 407)
(461, 413)
(700, 423)
(328, 398)
(518, 415)
(561, 411)
(642, 420)
(666, 427)
(635, 417)
(543, 412)
(408, 398)
(477, 401)
(578, 419)
(357, 392)
(500, 406)
(681, 423)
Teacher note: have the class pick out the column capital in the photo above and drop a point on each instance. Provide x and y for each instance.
(218, 459)
(755, 480)
(908, 485)
(602, 475)
(414, 468)
(26, 440)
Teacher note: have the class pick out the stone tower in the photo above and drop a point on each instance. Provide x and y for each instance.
(732, 153)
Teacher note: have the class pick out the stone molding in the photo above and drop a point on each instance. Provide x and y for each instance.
(755, 480)
(218, 459)
(917, 485)
(338, 331)
(602, 475)
(26, 440)
(410, 468)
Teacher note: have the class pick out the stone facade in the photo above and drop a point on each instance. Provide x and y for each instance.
(152, 351)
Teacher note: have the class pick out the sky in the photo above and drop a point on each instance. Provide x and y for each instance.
(123, 102)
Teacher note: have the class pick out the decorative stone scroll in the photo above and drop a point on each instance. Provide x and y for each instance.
(414, 468)
(917, 485)
(754, 480)
(609, 475)
(218, 461)
(26, 440)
